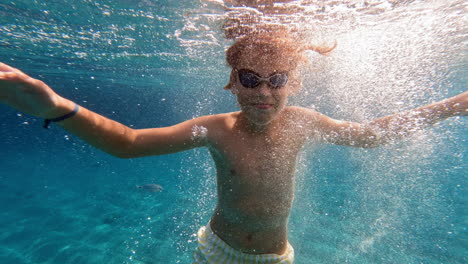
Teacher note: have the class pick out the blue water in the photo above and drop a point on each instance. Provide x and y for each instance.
(157, 63)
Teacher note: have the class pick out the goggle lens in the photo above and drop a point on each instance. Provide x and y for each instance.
(250, 79)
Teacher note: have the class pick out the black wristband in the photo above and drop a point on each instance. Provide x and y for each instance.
(72, 113)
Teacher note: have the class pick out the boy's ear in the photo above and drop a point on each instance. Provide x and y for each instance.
(232, 81)
(295, 84)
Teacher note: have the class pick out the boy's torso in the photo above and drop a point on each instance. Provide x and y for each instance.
(255, 174)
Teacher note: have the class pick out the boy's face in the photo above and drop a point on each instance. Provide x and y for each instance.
(263, 103)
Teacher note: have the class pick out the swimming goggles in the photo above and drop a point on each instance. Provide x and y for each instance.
(251, 79)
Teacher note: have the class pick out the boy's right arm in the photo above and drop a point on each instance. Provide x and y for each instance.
(386, 129)
(34, 97)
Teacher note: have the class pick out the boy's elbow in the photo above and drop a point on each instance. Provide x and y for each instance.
(365, 144)
(371, 145)
(125, 148)
(371, 141)
(371, 138)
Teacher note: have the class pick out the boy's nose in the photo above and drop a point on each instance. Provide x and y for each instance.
(264, 89)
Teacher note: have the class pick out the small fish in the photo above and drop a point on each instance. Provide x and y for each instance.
(151, 187)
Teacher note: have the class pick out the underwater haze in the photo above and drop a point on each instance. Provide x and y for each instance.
(151, 63)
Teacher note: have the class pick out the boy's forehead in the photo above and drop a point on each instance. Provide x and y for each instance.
(266, 61)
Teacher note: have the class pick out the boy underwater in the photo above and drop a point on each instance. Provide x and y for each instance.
(254, 149)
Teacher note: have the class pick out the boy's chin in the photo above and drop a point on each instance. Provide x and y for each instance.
(263, 120)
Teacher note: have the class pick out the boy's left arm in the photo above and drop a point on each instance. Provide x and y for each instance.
(389, 128)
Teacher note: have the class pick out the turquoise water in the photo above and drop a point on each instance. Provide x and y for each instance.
(156, 63)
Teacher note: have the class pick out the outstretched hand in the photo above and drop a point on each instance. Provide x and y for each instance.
(463, 103)
(26, 94)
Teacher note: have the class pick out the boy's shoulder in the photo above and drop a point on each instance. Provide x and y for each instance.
(297, 112)
(218, 126)
(219, 120)
(304, 117)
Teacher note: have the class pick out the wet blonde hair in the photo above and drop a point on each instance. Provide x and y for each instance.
(280, 44)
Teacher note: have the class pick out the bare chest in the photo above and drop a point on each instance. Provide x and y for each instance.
(254, 167)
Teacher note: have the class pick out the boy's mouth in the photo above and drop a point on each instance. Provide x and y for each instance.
(263, 106)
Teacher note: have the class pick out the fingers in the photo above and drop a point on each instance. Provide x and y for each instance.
(6, 68)
(13, 79)
(10, 76)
